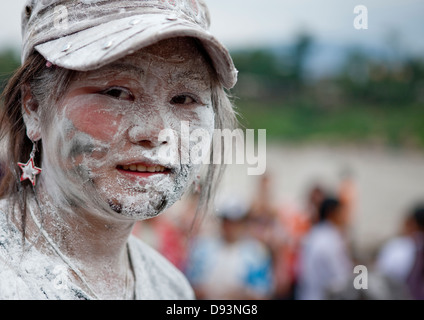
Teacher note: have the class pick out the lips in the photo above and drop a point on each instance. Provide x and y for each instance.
(143, 170)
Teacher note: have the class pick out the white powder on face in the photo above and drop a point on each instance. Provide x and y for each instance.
(80, 167)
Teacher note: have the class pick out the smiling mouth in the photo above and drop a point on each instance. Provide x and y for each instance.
(140, 168)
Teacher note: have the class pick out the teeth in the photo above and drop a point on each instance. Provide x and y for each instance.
(141, 168)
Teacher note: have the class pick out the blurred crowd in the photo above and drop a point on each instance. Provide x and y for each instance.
(261, 250)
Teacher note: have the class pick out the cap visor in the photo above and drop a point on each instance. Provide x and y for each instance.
(100, 45)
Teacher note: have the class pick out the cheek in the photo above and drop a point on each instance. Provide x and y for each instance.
(205, 121)
(96, 121)
(201, 118)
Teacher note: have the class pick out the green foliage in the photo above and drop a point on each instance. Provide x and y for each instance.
(371, 99)
(382, 82)
(9, 62)
(273, 74)
(298, 121)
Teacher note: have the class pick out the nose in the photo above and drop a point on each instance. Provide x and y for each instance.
(147, 134)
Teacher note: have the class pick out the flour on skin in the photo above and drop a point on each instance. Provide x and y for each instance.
(98, 148)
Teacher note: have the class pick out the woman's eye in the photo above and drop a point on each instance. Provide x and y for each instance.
(119, 93)
(182, 99)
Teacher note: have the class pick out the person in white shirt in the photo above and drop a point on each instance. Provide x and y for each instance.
(325, 262)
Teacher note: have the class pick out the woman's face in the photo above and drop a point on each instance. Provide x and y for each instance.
(102, 146)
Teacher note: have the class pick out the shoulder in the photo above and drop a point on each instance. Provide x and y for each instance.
(12, 286)
(3, 209)
(157, 277)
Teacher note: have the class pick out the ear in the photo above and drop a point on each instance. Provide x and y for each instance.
(30, 113)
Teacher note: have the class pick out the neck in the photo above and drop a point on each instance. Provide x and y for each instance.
(95, 245)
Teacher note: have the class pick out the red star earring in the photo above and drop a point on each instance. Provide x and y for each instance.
(29, 170)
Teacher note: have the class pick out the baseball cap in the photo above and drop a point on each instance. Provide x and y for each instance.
(84, 35)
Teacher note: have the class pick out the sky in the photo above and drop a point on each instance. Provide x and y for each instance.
(246, 23)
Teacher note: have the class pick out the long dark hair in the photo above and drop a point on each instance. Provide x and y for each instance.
(44, 83)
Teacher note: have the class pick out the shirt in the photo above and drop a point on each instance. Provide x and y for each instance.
(222, 269)
(396, 258)
(324, 262)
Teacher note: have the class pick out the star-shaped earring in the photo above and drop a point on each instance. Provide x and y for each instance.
(29, 170)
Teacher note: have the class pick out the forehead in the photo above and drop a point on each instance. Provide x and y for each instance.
(175, 49)
(175, 57)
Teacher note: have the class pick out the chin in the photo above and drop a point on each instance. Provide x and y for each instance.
(142, 206)
(146, 200)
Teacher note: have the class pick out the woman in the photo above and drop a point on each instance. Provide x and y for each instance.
(84, 121)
